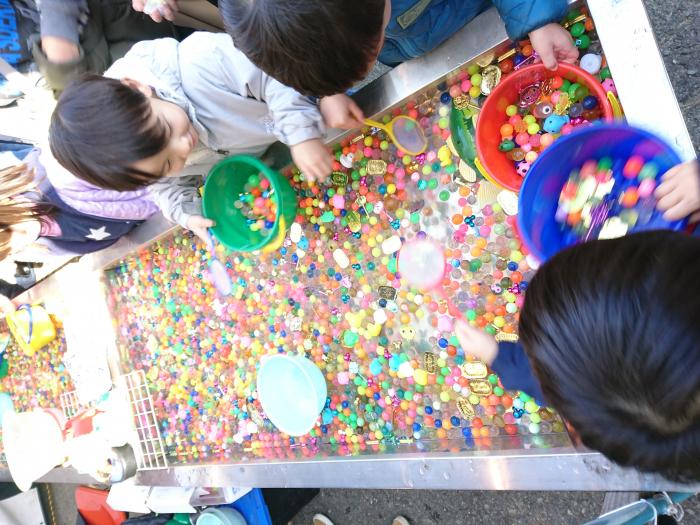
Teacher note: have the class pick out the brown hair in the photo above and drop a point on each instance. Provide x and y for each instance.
(13, 182)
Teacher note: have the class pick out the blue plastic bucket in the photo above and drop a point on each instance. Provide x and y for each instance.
(539, 195)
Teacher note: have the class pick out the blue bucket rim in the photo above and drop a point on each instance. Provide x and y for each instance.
(525, 236)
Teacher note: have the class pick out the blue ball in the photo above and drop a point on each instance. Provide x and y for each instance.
(590, 102)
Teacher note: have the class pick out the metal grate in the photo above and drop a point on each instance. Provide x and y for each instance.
(71, 405)
(152, 452)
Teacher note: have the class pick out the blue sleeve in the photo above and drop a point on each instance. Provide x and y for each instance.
(523, 16)
(513, 367)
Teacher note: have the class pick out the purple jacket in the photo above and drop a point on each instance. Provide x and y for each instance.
(84, 197)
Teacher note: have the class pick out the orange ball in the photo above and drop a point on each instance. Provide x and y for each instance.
(506, 130)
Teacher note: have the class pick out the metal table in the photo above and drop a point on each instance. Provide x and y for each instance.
(549, 463)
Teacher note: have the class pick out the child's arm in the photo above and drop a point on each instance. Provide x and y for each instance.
(179, 200)
(538, 19)
(60, 20)
(678, 194)
(508, 360)
(299, 124)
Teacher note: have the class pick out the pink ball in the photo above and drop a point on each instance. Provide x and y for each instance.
(368, 152)
(646, 188)
(522, 138)
(466, 85)
(566, 129)
(455, 91)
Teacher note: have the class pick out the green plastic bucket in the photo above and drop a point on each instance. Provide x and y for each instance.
(224, 185)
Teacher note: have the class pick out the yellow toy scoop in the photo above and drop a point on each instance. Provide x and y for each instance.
(405, 133)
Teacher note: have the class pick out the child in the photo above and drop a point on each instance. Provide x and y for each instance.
(323, 47)
(30, 210)
(611, 329)
(74, 36)
(141, 128)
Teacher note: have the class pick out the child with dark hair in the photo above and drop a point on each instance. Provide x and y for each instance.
(168, 110)
(323, 47)
(611, 330)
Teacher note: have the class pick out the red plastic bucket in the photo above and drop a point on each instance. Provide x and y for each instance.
(493, 116)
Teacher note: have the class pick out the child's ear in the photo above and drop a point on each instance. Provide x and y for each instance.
(138, 86)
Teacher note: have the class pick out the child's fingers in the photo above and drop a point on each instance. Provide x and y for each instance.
(677, 212)
(672, 172)
(548, 58)
(669, 200)
(571, 55)
(356, 112)
(138, 5)
(665, 188)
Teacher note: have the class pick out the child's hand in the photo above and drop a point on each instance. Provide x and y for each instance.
(59, 50)
(554, 44)
(313, 159)
(156, 9)
(340, 111)
(477, 343)
(678, 195)
(200, 227)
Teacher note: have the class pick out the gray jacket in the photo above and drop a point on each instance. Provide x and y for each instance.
(59, 18)
(233, 105)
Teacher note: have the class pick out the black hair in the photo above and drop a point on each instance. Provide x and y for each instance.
(612, 329)
(100, 128)
(318, 47)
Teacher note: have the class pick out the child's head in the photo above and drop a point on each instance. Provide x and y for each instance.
(117, 134)
(20, 218)
(612, 329)
(317, 47)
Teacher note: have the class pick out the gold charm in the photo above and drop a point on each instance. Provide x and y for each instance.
(562, 105)
(490, 78)
(387, 292)
(354, 222)
(474, 370)
(376, 167)
(506, 337)
(465, 408)
(339, 178)
(480, 387)
(485, 59)
(430, 362)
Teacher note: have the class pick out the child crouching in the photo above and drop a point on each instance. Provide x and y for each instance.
(611, 329)
(172, 110)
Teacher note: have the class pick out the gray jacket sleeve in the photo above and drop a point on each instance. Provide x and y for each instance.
(62, 18)
(296, 118)
(178, 198)
(243, 108)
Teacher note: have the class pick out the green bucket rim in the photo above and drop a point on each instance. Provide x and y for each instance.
(276, 182)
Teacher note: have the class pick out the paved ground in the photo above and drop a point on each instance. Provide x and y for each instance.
(677, 28)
